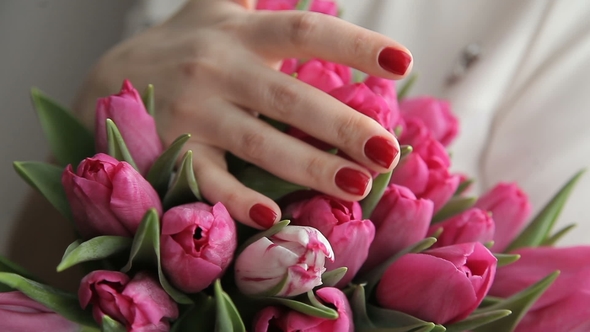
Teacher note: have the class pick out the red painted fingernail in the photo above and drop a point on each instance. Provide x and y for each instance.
(352, 181)
(381, 150)
(394, 60)
(263, 215)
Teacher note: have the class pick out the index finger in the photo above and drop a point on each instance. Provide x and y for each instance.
(288, 34)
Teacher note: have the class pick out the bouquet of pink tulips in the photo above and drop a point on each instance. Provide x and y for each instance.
(417, 254)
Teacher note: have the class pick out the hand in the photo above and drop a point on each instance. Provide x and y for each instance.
(213, 66)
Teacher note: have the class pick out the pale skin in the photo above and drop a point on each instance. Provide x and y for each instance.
(214, 65)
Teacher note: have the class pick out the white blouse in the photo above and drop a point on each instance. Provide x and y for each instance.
(524, 102)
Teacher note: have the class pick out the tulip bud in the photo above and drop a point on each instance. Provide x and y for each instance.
(198, 242)
(435, 114)
(386, 89)
(359, 97)
(510, 208)
(282, 319)
(137, 127)
(108, 197)
(294, 258)
(327, 7)
(563, 307)
(473, 225)
(139, 304)
(342, 224)
(400, 220)
(442, 285)
(324, 75)
(18, 312)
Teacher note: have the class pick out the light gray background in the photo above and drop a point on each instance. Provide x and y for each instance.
(49, 44)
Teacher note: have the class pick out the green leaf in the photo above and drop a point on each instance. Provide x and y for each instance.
(111, 325)
(405, 89)
(227, 316)
(8, 266)
(303, 5)
(313, 300)
(331, 278)
(477, 320)
(94, 249)
(370, 202)
(463, 186)
(145, 251)
(46, 179)
(161, 171)
(505, 259)
(266, 183)
(148, 100)
(198, 318)
(405, 150)
(372, 277)
(552, 240)
(117, 147)
(70, 142)
(63, 303)
(538, 230)
(358, 304)
(280, 126)
(306, 308)
(518, 303)
(385, 318)
(184, 189)
(453, 207)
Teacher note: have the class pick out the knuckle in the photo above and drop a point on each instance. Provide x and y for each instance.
(346, 129)
(315, 168)
(282, 98)
(302, 26)
(252, 146)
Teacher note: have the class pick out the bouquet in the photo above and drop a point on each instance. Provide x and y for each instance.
(417, 254)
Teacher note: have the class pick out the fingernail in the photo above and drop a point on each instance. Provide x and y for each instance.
(381, 151)
(263, 215)
(352, 181)
(394, 60)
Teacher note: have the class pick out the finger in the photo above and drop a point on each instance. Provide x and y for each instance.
(291, 101)
(217, 185)
(248, 4)
(289, 34)
(289, 158)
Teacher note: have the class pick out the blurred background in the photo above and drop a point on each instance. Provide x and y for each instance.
(44, 44)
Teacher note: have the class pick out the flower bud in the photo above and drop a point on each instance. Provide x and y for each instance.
(435, 114)
(342, 224)
(198, 242)
(442, 285)
(137, 127)
(139, 304)
(294, 258)
(108, 197)
(473, 225)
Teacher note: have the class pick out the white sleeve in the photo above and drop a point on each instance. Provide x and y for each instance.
(540, 132)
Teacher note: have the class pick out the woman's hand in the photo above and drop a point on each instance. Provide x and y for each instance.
(214, 68)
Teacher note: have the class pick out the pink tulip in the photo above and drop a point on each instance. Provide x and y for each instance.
(416, 134)
(321, 6)
(140, 304)
(510, 208)
(473, 225)
(342, 224)
(282, 319)
(137, 127)
(386, 89)
(108, 197)
(436, 115)
(198, 243)
(359, 97)
(400, 220)
(295, 256)
(442, 285)
(324, 75)
(564, 305)
(18, 312)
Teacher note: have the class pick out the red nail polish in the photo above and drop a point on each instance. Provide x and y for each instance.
(262, 215)
(394, 60)
(352, 181)
(381, 150)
